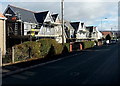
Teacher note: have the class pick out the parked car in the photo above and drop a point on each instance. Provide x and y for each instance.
(113, 41)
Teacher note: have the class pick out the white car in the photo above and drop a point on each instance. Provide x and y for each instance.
(107, 41)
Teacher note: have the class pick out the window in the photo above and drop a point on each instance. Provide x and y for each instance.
(48, 29)
(36, 33)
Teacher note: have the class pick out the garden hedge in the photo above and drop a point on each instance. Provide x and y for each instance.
(44, 48)
(40, 49)
(27, 50)
(87, 44)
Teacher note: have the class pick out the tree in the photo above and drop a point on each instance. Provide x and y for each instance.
(108, 37)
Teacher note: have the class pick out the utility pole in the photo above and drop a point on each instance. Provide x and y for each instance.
(62, 15)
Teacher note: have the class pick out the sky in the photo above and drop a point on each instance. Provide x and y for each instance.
(91, 12)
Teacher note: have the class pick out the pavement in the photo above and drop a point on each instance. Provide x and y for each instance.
(11, 68)
(96, 66)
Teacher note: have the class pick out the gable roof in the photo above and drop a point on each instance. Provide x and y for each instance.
(67, 24)
(75, 25)
(105, 33)
(90, 28)
(40, 17)
(54, 16)
(82, 24)
(24, 14)
(2, 16)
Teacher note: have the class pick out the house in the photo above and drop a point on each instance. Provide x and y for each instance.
(94, 33)
(105, 33)
(51, 27)
(18, 24)
(58, 29)
(24, 25)
(69, 29)
(70, 32)
(2, 34)
(19, 20)
(80, 32)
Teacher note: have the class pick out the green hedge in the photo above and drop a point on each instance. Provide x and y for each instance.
(66, 48)
(27, 50)
(41, 49)
(50, 45)
(45, 47)
(88, 44)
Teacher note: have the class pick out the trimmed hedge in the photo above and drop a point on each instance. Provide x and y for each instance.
(50, 45)
(45, 47)
(41, 49)
(66, 47)
(88, 44)
(27, 50)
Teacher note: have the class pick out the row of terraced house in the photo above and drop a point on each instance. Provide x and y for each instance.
(25, 25)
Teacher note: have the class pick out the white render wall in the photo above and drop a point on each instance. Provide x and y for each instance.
(2, 36)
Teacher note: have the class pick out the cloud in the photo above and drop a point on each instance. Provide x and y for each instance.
(0, 7)
(89, 12)
(60, 0)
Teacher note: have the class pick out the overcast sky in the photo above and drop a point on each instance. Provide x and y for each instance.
(89, 11)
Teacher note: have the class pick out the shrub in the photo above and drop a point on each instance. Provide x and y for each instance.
(41, 49)
(58, 48)
(46, 46)
(27, 50)
(66, 47)
(7, 59)
(87, 44)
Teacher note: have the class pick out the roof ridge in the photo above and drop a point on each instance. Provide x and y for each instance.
(42, 12)
(55, 14)
(22, 8)
(1, 15)
(75, 22)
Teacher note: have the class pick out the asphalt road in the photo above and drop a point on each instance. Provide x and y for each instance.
(96, 66)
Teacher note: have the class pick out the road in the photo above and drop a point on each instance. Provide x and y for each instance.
(96, 66)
